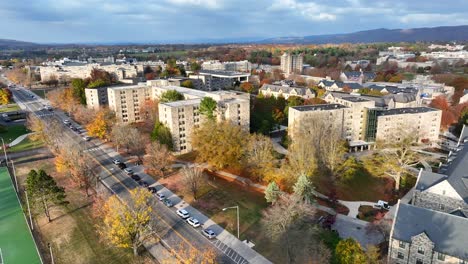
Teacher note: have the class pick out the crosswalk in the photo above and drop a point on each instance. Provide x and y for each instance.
(229, 252)
(91, 149)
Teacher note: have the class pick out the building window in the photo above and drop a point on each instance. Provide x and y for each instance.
(440, 256)
(402, 244)
(400, 255)
(421, 250)
(442, 207)
(419, 261)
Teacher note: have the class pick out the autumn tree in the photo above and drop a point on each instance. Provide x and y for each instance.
(137, 142)
(5, 96)
(78, 85)
(101, 125)
(162, 134)
(150, 111)
(171, 96)
(191, 255)
(448, 115)
(259, 158)
(44, 192)
(348, 251)
(158, 158)
(247, 87)
(284, 213)
(129, 224)
(193, 179)
(300, 160)
(208, 107)
(206, 141)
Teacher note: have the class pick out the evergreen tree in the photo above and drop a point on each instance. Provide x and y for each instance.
(272, 192)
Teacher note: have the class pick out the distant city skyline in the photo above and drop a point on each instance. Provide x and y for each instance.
(164, 21)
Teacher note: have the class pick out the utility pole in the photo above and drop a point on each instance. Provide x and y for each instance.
(14, 174)
(51, 255)
(29, 211)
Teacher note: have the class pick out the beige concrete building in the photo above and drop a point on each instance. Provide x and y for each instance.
(125, 101)
(96, 97)
(286, 91)
(301, 119)
(292, 63)
(422, 121)
(62, 72)
(181, 117)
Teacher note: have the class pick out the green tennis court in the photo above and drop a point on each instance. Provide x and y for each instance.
(16, 242)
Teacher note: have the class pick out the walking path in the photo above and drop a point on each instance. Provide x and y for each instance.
(19, 139)
(354, 206)
(277, 146)
(426, 165)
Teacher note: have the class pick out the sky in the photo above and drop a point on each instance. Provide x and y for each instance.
(182, 21)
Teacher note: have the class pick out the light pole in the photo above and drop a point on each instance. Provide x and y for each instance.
(14, 174)
(29, 210)
(235, 207)
(4, 150)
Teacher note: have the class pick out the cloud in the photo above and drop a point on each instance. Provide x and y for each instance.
(309, 10)
(434, 18)
(212, 4)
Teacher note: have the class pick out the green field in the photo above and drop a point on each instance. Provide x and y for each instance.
(16, 242)
(12, 132)
(9, 108)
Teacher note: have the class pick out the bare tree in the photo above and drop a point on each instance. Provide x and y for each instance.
(397, 154)
(137, 143)
(301, 159)
(158, 158)
(120, 135)
(279, 217)
(193, 178)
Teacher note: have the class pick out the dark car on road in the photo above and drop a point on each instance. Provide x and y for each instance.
(122, 166)
(136, 177)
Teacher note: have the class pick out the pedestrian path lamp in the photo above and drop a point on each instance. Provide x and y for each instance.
(237, 208)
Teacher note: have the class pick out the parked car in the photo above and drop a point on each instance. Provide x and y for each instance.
(182, 213)
(160, 196)
(193, 222)
(143, 183)
(136, 177)
(152, 189)
(122, 166)
(168, 202)
(128, 171)
(86, 138)
(49, 108)
(66, 122)
(116, 161)
(382, 204)
(209, 233)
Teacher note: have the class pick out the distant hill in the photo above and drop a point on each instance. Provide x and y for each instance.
(451, 33)
(15, 44)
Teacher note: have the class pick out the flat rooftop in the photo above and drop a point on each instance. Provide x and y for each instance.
(182, 103)
(184, 90)
(408, 110)
(125, 87)
(319, 107)
(355, 99)
(224, 73)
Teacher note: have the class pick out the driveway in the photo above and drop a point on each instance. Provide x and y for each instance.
(349, 227)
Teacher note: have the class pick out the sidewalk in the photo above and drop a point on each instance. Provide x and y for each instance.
(277, 146)
(19, 139)
(224, 241)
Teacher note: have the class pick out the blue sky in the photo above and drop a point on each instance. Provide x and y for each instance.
(155, 21)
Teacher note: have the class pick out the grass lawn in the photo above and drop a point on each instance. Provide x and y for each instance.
(72, 232)
(219, 193)
(26, 144)
(9, 108)
(363, 187)
(39, 92)
(12, 132)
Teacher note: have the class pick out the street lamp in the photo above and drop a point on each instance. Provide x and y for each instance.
(235, 207)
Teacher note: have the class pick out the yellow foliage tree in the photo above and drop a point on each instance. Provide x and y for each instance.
(128, 225)
(4, 97)
(191, 255)
(98, 127)
(61, 164)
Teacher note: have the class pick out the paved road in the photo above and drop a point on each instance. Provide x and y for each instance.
(175, 231)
